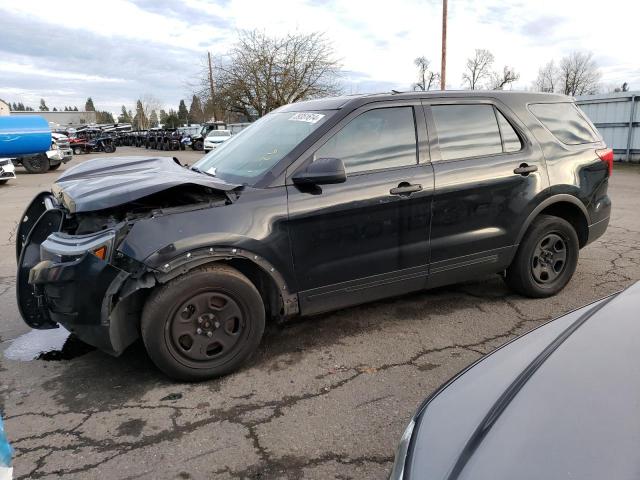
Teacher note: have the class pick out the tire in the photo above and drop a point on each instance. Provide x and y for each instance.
(217, 300)
(54, 167)
(36, 164)
(2, 182)
(109, 149)
(77, 151)
(546, 259)
(198, 145)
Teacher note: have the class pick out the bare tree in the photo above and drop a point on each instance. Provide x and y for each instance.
(579, 74)
(262, 73)
(547, 78)
(426, 78)
(501, 80)
(149, 104)
(478, 68)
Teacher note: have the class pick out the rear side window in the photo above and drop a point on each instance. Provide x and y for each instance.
(510, 140)
(466, 131)
(564, 121)
(380, 138)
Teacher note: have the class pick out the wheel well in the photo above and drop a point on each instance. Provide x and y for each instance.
(572, 214)
(267, 287)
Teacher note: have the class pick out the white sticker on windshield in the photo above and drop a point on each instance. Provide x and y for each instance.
(307, 117)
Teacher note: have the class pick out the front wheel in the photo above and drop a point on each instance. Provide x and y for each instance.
(54, 167)
(109, 148)
(546, 258)
(77, 151)
(203, 324)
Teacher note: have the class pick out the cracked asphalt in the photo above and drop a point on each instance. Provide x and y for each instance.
(325, 397)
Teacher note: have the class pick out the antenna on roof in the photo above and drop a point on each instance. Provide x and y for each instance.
(395, 91)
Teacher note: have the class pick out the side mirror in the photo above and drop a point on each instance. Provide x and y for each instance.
(321, 172)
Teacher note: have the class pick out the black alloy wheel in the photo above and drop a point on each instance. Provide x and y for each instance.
(203, 324)
(546, 258)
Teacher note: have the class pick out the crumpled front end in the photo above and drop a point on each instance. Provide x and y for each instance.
(73, 280)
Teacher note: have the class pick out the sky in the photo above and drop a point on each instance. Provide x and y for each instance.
(120, 50)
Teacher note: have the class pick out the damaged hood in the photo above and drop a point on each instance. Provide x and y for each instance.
(108, 182)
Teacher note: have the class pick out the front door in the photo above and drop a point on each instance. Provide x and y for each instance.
(368, 237)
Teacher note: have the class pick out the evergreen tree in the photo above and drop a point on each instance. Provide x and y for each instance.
(88, 106)
(183, 113)
(196, 115)
(75, 109)
(14, 107)
(55, 109)
(43, 106)
(153, 119)
(104, 117)
(21, 107)
(172, 121)
(124, 116)
(163, 117)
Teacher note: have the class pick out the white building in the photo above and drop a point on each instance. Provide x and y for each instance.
(4, 108)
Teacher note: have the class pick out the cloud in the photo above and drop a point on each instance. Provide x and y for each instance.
(119, 50)
(94, 65)
(176, 10)
(542, 26)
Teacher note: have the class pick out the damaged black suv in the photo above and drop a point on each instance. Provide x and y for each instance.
(317, 206)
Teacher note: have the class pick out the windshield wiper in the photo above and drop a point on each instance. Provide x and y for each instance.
(196, 169)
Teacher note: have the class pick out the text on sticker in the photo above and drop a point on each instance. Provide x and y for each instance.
(307, 117)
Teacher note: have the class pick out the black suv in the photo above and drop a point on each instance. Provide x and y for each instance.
(317, 206)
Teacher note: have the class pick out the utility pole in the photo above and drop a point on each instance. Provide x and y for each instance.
(211, 84)
(443, 65)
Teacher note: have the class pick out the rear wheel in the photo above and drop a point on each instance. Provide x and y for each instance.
(77, 151)
(109, 148)
(546, 259)
(36, 164)
(203, 324)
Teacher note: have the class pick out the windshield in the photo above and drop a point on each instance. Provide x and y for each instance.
(256, 149)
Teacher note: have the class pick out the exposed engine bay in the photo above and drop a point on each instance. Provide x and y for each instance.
(174, 200)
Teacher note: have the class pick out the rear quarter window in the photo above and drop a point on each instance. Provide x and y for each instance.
(565, 122)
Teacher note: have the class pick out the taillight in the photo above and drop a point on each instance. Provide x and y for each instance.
(606, 155)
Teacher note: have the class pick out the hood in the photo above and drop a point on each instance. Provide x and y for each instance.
(561, 400)
(108, 182)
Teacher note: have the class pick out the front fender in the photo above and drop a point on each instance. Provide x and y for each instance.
(167, 268)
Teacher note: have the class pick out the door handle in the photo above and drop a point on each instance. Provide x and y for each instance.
(525, 169)
(405, 188)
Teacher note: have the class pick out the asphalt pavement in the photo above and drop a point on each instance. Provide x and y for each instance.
(325, 397)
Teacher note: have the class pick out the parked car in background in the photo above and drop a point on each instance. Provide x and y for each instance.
(559, 402)
(7, 170)
(98, 143)
(197, 140)
(215, 138)
(317, 206)
(59, 153)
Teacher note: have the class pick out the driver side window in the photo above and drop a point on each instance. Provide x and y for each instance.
(380, 138)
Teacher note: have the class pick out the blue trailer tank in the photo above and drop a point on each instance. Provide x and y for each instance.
(23, 135)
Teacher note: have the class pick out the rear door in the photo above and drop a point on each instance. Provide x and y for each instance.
(365, 238)
(487, 174)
